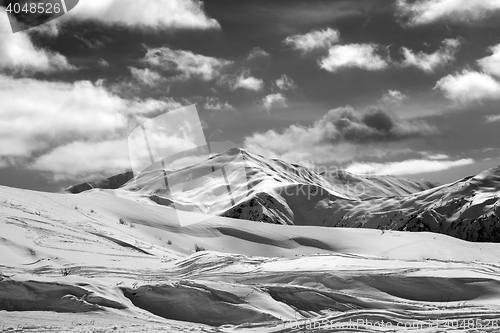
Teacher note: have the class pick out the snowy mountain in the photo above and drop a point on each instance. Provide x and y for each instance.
(160, 253)
(468, 209)
(277, 192)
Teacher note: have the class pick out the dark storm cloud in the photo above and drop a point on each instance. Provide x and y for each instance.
(340, 135)
(376, 125)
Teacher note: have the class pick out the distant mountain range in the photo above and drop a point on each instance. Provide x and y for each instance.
(273, 191)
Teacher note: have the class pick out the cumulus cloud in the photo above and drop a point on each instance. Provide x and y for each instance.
(435, 156)
(428, 11)
(55, 112)
(93, 43)
(273, 101)
(285, 83)
(50, 29)
(336, 135)
(492, 118)
(102, 63)
(241, 80)
(146, 76)
(469, 86)
(19, 55)
(176, 14)
(150, 107)
(85, 159)
(373, 126)
(393, 97)
(368, 57)
(491, 64)
(256, 53)
(362, 56)
(430, 62)
(408, 167)
(248, 82)
(319, 39)
(183, 65)
(213, 104)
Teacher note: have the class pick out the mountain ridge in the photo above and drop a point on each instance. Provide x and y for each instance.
(278, 192)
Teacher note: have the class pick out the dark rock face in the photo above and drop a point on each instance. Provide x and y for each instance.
(110, 183)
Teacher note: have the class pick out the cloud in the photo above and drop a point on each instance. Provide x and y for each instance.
(429, 11)
(213, 104)
(171, 14)
(366, 56)
(102, 63)
(273, 101)
(256, 53)
(319, 39)
(146, 76)
(393, 97)
(55, 112)
(337, 136)
(285, 83)
(94, 44)
(243, 80)
(19, 55)
(469, 86)
(248, 82)
(430, 62)
(150, 107)
(184, 65)
(93, 160)
(376, 125)
(491, 64)
(408, 167)
(353, 55)
(83, 159)
(492, 118)
(435, 156)
(50, 29)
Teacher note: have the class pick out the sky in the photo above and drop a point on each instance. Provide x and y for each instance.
(396, 87)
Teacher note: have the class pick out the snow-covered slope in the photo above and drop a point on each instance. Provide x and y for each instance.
(105, 263)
